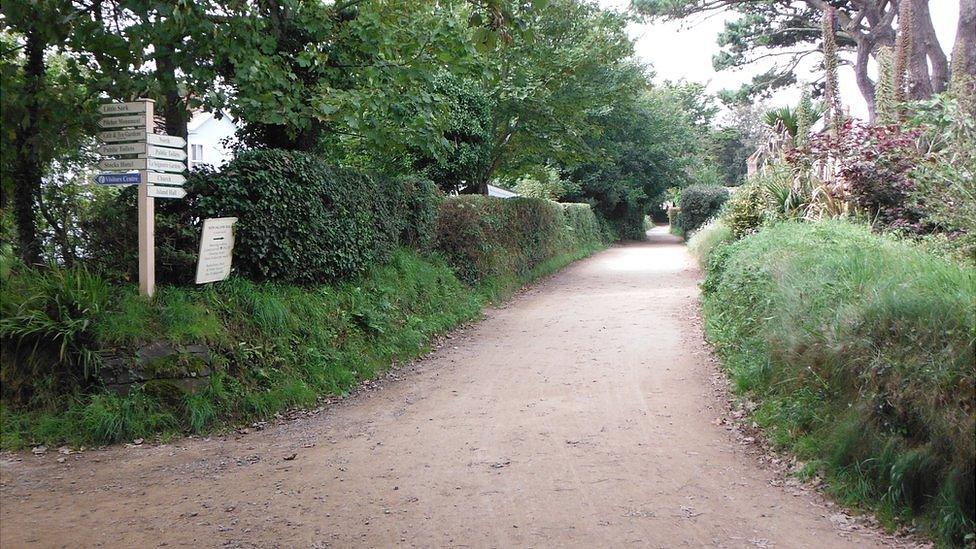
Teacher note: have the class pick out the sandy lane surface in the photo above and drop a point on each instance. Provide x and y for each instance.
(580, 414)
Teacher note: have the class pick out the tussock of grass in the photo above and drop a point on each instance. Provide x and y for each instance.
(707, 238)
(861, 349)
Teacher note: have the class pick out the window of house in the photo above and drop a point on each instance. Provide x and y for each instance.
(196, 153)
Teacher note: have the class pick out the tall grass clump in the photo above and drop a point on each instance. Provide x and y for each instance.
(860, 348)
(708, 238)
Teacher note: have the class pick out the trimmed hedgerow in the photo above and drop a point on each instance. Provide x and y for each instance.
(860, 348)
(699, 203)
(484, 237)
(421, 199)
(299, 220)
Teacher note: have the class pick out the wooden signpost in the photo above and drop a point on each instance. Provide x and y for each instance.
(159, 161)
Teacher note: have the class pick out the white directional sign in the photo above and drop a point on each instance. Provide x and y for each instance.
(164, 165)
(115, 136)
(142, 164)
(162, 152)
(123, 165)
(165, 192)
(165, 178)
(160, 140)
(216, 249)
(123, 148)
(122, 121)
(122, 108)
(165, 140)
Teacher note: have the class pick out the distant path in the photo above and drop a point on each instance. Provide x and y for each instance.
(583, 414)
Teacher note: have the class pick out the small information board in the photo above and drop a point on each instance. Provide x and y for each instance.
(216, 249)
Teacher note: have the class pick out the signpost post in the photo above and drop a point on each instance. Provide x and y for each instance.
(147, 213)
(160, 160)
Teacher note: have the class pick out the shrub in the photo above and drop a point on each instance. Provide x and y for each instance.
(299, 220)
(861, 350)
(421, 202)
(746, 209)
(875, 163)
(484, 238)
(946, 186)
(698, 204)
(47, 330)
(708, 237)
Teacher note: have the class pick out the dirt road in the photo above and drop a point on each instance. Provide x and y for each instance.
(583, 413)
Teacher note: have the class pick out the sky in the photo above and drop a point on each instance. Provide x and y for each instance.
(684, 50)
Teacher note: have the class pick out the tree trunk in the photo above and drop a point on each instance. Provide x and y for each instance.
(928, 43)
(27, 181)
(919, 81)
(964, 50)
(864, 83)
(174, 108)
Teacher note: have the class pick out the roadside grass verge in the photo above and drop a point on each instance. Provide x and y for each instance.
(274, 346)
(860, 350)
(708, 238)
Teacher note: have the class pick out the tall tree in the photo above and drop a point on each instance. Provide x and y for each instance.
(562, 61)
(789, 29)
(45, 108)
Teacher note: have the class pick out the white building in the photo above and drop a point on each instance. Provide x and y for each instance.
(206, 138)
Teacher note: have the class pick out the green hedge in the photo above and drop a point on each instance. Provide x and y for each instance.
(484, 237)
(698, 203)
(300, 220)
(860, 348)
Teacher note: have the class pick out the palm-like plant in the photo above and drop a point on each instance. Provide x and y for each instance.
(790, 119)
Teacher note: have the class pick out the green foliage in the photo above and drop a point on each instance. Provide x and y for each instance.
(307, 75)
(48, 329)
(709, 237)
(746, 210)
(731, 150)
(299, 221)
(421, 200)
(860, 348)
(946, 185)
(540, 118)
(484, 238)
(698, 204)
(812, 112)
(468, 131)
(546, 183)
(648, 146)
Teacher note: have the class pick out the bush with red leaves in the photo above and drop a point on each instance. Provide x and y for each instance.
(874, 164)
